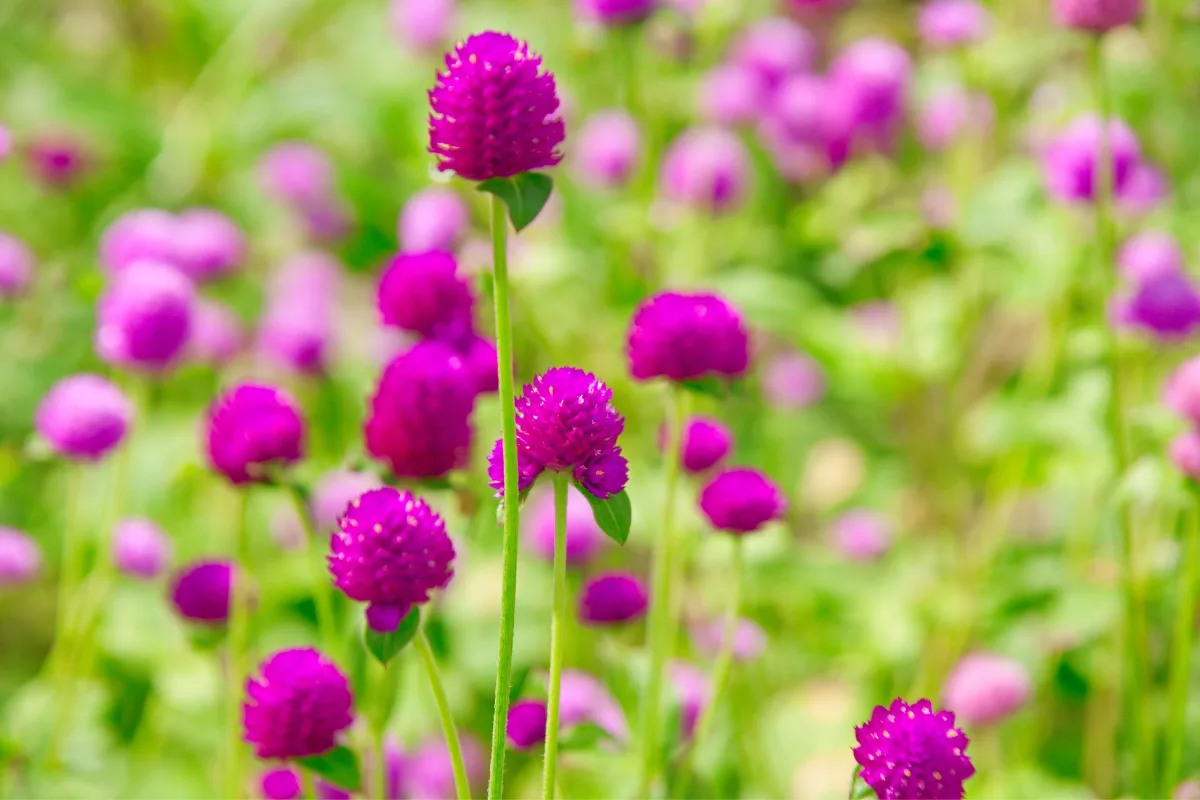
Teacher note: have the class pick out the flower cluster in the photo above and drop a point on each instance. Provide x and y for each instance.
(202, 243)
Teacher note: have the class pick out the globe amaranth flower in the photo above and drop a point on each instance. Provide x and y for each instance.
(208, 244)
(792, 380)
(615, 12)
(140, 549)
(297, 707)
(201, 591)
(1182, 393)
(494, 113)
(144, 234)
(334, 492)
(6, 144)
(585, 540)
(749, 639)
(250, 429)
(584, 699)
(613, 598)
(706, 442)
(1148, 255)
(419, 420)
(693, 690)
(16, 266)
(284, 783)
(526, 725)
(731, 94)
(1096, 16)
(866, 97)
(741, 501)
(912, 751)
(296, 329)
(774, 48)
(862, 535)
(423, 293)
(1070, 162)
(985, 689)
(566, 422)
(1184, 453)
(217, 332)
(144, 317)
(430, 773)
(423, 24)
(84, 417)
(436, 218)
(946, 23)
(683, 337)
(706, 168)
(608, 149)
(297, 173)
(390, 551)
(796, 113)
(20, 557)
(1165, 306)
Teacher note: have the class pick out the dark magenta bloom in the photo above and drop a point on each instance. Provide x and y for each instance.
(1069, 163)
(201, 591)
(84, 417)
(615, 12)
(423, 293)
(251, 427)
(390, 550)
(613, 598)
(566, 422)
(683, 337)
(706, 442)
(741, 501)
(283, 783)
(1166, 306)
(1096, 16)
(144, 317)
(526, 724)
(297, 707)
(912, 751)
(482, 362)
(494, 113)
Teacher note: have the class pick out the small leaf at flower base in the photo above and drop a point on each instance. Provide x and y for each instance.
(385, 646)
(583, 737)
(710, 386)
(614, 515)
(339, 766)
(525, 195)
(859, 788)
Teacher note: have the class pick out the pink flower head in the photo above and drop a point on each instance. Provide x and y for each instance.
(423, 293)
(613, 598)
(217, 333)
(284, 783)
(20, 557)
(296, 329)
(862, 535)
(693, 690)
(297, 173)
(585, 540)
(985, 689)
(749, 639)
(297, 707)
(83, 417)
(423, 24)
(1146, 188)
(867, 95)
(1070, 162)
(200, 591)
(731, 94)
(430, 774)
(144, 317)
(913, 751)
(1182, 394)
(683, 337)
(58, 160)
(608, 149)
(706, 168)
(145, 234)
(140, 548)
(1150, 254)
(951, 112)
(797, 112)
(706, 442)
(209, 245)
(1166, 306)
(774, 48)
(792, 380)
(16, 266)
(251, 428)
(615, 12)
(494, 113)
(6, 144)
(1096, 16)
(946, 23)
(436, 218)
(1184, 453)
(585, 699)
(741, 501)
(334, 492)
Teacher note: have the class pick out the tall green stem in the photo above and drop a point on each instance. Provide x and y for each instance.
(660, 629)
(558, 624)
(461, 786)
(322, 596)
(1181, 654)
(239, 625)
(62, 656)
(512, 504)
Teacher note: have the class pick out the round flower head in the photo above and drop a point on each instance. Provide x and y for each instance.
(423, 293)
(139, 548)
(144, 317)
(297, 707)
(706, 168)
(200, 592)
(217, 333)
(705, 443)
(797, 111)
(284, 783)
(252, 427)
(693, 690)
(526, 724)
(731, 94)
(493, 111)
(145, 234)
(208, 244)
(84, 417)
(913, 751)
(862, 535)
(613, 598)
(1166, 306)
(423, 24)
(585, 540)
(775, 48)
(1185, 454)
(1150, 255)
(1069, 163)
(297, 173)
(16, 266)
(20, 557)
(390, 550)
(58, 160)
(419, 421)
(683, 337)
(584, 699)
(436, 218)
(296, 329)
(741, 501)
(945, 23)
(985, 689)
(867, 95)
(615, 12)
(749, 640)
(566, 422)
(430, 773)
(1096, 16)
(608, 149)
(792, 380)
(333, 493)
(1182, 394)
(482, 362)
(1146, 188)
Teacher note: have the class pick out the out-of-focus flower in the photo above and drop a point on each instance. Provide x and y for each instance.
(707, 168)
(423, 293)
(866, 95)
(84, 417)
(217, 333)
(706, 442)
(796, 114)
(1188, 790)
(1182, 394)
(494, 113)
(946, 23)
(912, 750)
(526, 724)
(200, 591)
(58, 160)
(1096, 16)
(334, 492)
(296, 329)
(731, 94)
(6, 144)
(985, 689)
(774, 48)
(1148, 255)
(862, 535)
(1184, 453)
(436, 218)
(879, 324)
(792, 380)
(585, 699)
(423, 24)
(741, 501)
(613, 598)
(693, 690)
(327, 221)
(297, 707)
(252, 427)
(207, 244)
(430, 774)
(396, 766)
(284, 783)
(144, 317)
(144, 234)
(297, 173)
(20, 557)
(608, 149)
(585, 540)
(1145, 189)
(1069, 163)
(1166, 306)
(16, 266)
(951, 112)
(615, 12)
(817, 5)
(482, 362)
(939, 207)
(749, 639)
(140, 548)
(684, 337)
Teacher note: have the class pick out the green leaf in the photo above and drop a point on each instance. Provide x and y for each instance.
(583, 737)
(339, 766)
(525, 195)
(385, 646)
(614, 515)
(859, 788)
(710, 386)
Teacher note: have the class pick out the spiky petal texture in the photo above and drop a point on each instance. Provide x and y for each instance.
(613, 598)
(683, 337)
(494, 113)
(913, 752)
(84, 417)
(200, 592)
(423, 293)
(251, 427)
(297, 706)
(741, 501)
(1096, 16)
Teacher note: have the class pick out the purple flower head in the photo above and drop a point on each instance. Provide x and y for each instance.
(615, 12)
(423, 293)
(608, 149)
(436, 218)
(946, 23)
(16, 266)
(867, 94)
(526, 726)
(145, 234)
(566, 422)
(482, 362)
(741, 501)
(208, 245)
(749, 640)
(1069, 163)
(423, 24)
(494, 113)
(796, 115)
(913, 751)
(334, 492)
(731, 94)
(217, 334)
(20, 557)
(1149, 255)
(1184, 453)
(985, 689)
(297, 707)
(585, 699)
(327, 221)
(430, 774)
(706, 442)
(613, 598)
(775, 48)
(1166, 306)
(58, 160)
(296, 329)
(862, 535)
(252, 427)
(283, 783)
(707, 168)
(585, 540)
(200, 591)
(683, 337)
(1182, 394)
(84, 416)
(693, 690)
(390, 550)
(1145, 189)
(297, 173)
(140, 549)
(1096, 16)
(792, 380)
(419, 421)
(144, 317)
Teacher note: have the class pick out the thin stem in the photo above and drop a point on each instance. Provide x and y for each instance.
(660, 629)
(307, 782)
(239, 619)
(320, 577)
(1181, 653)
(386, 689)
(558, 622)
(461, 786)
(61, 659)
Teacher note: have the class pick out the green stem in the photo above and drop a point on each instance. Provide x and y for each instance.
(386, 689)
(322, 596)
(558, 623)
(461, 785)
(61, 659)
(660, 629)
(1181, 654)
(307, 782)
(512, 503)
(239, 619)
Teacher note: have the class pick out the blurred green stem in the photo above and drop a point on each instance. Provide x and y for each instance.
(461, 786)
(307, 782)
(512, 498)
(387, 686)
(1181, 653)
(558, 623)
(62, 661)
(239, 619)
(320, 575)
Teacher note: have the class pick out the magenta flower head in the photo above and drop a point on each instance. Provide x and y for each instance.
(297, 707)
(867, 95)
(1069, 162)
(144, 234)
(1165, 306)
(423, 293)
(613, 598)
(20, 557)
(423, 24)
(334, 492)
(615, 12)
(482, 362)
(693, 691)
(297, 173)
(731, 94)
(57, 159)
(912, 751)
(683, 337)
(985, 689)
(741, 501)
(1149, 255)
(209, 244)
(1146, 188)
(862, 535)
(200, 592)
(1182, 394)
(419, 421)
(140, 549)
(706, 442)
(1184, 453)
(494, 113)
(16, 266)
(566, 422)
(436, 218)
(749, 639)
(84, 417)
(390, 551)
(946, 23)
(144, 317)
(792, 380)
(707, 169)
(585, 699)
(585, 540)
(217, 334)
(1096, 16)
(774, 48)
(608, 149)
(284, 783)
(526, 726)
(430, 772)
(250, 429)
